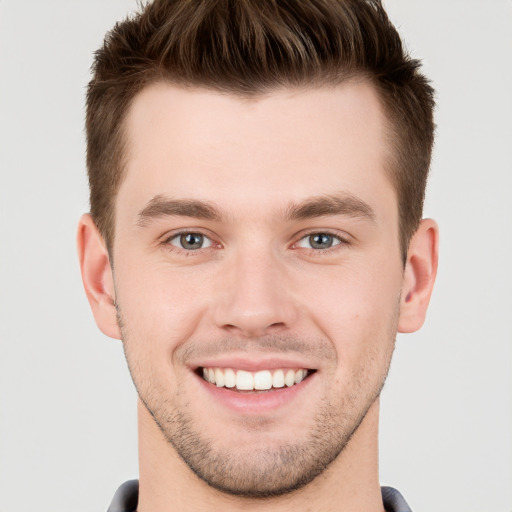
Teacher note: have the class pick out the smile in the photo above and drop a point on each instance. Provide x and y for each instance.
(262, 380)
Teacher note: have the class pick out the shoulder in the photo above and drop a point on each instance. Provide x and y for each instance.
(394, 501)
(126, 497)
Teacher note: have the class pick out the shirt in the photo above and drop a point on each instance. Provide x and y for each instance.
(127, 496)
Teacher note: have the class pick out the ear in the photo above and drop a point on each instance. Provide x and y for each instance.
(97, 276)
(419, 276)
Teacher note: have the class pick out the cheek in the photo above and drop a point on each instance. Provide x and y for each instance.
(356, 306)
(158, 314)
(161, 308)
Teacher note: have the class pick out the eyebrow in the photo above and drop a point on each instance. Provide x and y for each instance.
(330, 205)
(160, 206)
(317, 206)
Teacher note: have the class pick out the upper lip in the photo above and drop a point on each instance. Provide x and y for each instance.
(252, 364)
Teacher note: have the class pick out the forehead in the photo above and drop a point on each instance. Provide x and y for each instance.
(284, 145)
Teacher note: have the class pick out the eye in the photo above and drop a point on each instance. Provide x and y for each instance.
(190, 241)
(319, 241)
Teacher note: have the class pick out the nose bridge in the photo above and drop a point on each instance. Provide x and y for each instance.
(253, 297)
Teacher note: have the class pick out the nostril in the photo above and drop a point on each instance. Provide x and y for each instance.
(231, 328)
(254, 330)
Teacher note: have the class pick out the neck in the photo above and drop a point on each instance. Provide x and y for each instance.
(349, 484)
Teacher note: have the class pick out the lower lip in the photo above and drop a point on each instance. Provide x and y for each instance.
(257, 402)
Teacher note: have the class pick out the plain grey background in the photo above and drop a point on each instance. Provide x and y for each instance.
(67, 405)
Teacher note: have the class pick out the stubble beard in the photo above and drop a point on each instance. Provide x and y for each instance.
(260, 472)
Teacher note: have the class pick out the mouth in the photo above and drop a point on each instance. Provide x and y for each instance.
(261, 381)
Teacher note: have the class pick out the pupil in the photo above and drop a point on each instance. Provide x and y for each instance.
(191, 241)
(320, 241)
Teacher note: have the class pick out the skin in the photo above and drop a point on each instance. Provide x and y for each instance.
(257, 293)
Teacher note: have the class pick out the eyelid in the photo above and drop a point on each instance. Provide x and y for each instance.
(342, 237)
(208, 240)
(166, 239)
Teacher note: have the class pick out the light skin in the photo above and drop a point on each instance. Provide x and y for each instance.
(258, 234)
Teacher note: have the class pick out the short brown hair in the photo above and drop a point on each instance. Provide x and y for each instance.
(249, 47)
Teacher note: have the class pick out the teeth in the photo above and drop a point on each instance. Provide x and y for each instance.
(248, 381)
(229, 378)
(244, 380)
(299, 376)
(278, 379)
(289, 379)
(263, 380)
(219, 378)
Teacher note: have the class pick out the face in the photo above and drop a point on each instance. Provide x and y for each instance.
(257, 276)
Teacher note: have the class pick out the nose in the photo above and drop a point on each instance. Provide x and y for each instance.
(254, 296)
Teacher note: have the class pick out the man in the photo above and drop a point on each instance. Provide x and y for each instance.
(257, 172)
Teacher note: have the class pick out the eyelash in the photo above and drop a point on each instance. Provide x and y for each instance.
(189, 252)
(342, 241)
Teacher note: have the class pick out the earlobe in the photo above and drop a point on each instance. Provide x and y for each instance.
(97, 276)
(419, 276)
